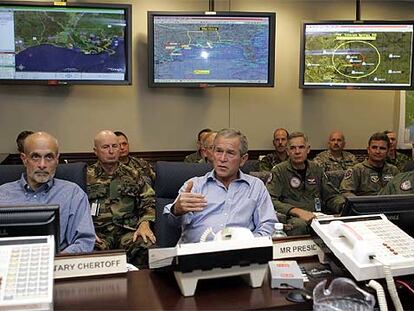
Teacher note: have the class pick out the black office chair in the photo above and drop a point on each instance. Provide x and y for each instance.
(170, 176)
(74, 172)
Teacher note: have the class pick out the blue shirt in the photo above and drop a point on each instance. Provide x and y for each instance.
(246, 203)
(77, 233)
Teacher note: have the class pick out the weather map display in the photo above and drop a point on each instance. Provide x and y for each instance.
(357, 55)
(213, 49)
(63, 43)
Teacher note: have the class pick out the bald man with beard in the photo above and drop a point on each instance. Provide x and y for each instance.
(38, 186)
(122, 202)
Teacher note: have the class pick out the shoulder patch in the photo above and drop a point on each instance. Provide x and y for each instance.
(406, 185)
(348, 174)
(269, 179)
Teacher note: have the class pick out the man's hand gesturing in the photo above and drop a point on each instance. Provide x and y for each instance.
(188, 201)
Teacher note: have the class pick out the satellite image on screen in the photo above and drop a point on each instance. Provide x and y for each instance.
(358, 55)
(211, 49)
(70, 42)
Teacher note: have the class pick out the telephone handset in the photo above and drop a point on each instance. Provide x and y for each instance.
(228, 233)
(361, 250)
(364, 244)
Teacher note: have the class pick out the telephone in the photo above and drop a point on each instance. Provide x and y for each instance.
(228, 233)
(365, 244)
(361, 249)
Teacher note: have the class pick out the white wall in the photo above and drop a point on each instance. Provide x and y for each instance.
(168, 119)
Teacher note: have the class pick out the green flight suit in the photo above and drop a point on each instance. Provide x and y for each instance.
(268, 161)
(119, 203)
(333, 167)
(401, 184)
(364, 179)
(288, 190)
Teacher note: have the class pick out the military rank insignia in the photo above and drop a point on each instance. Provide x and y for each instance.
(374, 178)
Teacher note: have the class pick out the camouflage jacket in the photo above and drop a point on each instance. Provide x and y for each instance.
(143, 167)
(268, 161)
(400, 160)
(335, 168)
(329, 163)
(288, 190)
(364, 179)
(401, 184)
(194, 157)
(123, 199)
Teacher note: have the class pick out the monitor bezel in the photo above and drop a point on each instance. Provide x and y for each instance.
(302, 84)
(271, 56)
(128, 44)
(376, 204)
(53, 220)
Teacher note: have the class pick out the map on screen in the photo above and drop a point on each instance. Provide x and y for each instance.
(63, 43)
(209, 49)
(358, 55)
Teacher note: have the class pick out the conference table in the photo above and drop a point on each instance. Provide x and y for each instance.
(154, 290)
(151, 290)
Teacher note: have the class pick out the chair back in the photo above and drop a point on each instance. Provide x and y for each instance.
(74, 172)
(170, 176)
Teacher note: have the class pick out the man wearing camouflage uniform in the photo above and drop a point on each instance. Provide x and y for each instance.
(197, 156)
(122, 203)
(335, 161)
(394, 157)
(137, 163)
(280, 136)
(370, 176)
(300, 187)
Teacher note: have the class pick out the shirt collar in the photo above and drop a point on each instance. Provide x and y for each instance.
(99, 171)
(290, 167)
(43, 188)
(366, 164)
(242, 177)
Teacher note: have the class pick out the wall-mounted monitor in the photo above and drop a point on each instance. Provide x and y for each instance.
(202, 49)
(347, 54)
(77, 43)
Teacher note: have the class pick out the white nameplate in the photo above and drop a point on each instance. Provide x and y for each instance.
(99, 263)
(297, 248)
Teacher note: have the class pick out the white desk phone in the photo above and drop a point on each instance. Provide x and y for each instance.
(233, 251)
(370, 247)
(365, 243)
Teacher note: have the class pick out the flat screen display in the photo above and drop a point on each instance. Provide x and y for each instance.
(220, 49)
(398, 208)
(30, 220)
(376, 55)
(74, 43)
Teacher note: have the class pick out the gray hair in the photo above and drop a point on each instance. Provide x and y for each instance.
(297, 135)
(232, 133)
